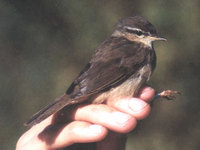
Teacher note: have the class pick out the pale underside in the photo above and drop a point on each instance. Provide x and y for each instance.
(127, 89)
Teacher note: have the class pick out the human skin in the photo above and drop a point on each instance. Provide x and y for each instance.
(106, 124)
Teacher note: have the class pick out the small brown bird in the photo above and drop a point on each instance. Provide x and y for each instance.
(120, 66)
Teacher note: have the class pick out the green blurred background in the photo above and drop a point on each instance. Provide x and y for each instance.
(45, 43)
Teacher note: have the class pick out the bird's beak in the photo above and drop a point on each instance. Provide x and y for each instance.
(158, 38)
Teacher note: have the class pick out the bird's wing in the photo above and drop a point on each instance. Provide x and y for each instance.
(113, 62)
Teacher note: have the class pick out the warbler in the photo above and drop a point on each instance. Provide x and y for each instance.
(119, 67)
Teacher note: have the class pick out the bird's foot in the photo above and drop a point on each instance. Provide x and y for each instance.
(168, 94)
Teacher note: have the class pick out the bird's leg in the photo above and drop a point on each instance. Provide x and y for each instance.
(168, 94)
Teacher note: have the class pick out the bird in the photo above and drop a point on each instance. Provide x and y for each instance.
(119, 67)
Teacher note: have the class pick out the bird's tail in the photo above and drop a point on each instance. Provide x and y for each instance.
(57, 105)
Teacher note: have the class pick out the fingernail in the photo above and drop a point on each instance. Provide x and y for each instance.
(146, 93)
(120, 118)
(147, 89)
(137, 105)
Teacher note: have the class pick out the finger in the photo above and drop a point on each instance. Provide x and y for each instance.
(147, 93)
(135, 107)
(75, 132)
(79, 132)
(29, 137)
(106, 116)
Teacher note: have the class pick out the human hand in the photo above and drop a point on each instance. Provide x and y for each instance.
(91, 123)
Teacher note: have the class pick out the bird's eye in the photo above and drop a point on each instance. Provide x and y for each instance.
(138, 32)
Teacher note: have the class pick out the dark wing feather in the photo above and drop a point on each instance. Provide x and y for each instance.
(48, 110)
(113, 62)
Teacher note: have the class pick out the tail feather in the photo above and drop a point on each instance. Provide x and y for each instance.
(57, 105)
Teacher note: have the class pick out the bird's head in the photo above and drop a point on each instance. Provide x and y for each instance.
(137, 29)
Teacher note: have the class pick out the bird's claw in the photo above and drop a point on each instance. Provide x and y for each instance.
(168, 94)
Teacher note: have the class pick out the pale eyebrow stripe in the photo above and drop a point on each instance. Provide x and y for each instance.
(136, 29)
(130, 28)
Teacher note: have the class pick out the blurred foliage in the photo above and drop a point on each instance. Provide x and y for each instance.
(45, 43)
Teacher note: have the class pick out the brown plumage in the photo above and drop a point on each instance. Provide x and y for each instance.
(119, 67)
